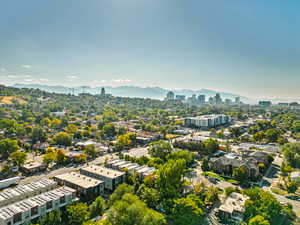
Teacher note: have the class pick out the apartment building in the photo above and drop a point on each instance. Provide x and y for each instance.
(120, 164)
(112, 178)
(87, 188)
(23, 212)
(207, 121)
(11, 195)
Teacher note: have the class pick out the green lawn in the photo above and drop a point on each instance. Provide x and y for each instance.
(214, 175)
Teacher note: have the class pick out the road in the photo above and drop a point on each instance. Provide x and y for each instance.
(271, 176)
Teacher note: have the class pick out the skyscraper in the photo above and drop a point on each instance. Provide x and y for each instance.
(218, 99)
(201, 99)
(103, 91)
(170, 95)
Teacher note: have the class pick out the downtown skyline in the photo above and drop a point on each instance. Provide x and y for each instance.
(250, 49)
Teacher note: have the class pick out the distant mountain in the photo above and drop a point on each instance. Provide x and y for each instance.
(132, 91)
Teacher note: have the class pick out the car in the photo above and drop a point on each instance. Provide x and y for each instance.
(293, 197)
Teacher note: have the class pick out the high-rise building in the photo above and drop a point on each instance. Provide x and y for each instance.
(211, 100)
(170, 95)
(265, 103)
(218, 99)
(103, 91)
(237, 100)
(228, 101)
(201, 99)
(180, 97)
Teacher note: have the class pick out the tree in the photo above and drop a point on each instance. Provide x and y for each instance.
(77, 213)
(90, 150)
(182, 154)
(55, 124)
(241, 174)
(8, 146)
(258, 220)
(109, 130)
(149, 195)
(205, 164)
(292, 186)
(130, 210)
(169, 178)
(50, 156)
(211, 145)
(272, 135)
(38, 134)
(71, 128)
(126, 141)
(119, 192)
(186, 212)
(18, 157)
(51, 218)
(261, 203)
(63, 138)
(296, 126)
(291, 153)
(160, 149)
(259, 136)
(97, 207)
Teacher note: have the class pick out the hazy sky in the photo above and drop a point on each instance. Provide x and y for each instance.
(246, 47)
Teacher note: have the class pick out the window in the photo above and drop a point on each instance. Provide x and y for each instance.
(18, 218)
(34, 211)
(49, 205)
(62, 200)
(8, 223)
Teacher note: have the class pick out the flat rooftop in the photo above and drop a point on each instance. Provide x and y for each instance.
(102, 171)
(11, 193)
(234, 202)
(25, 205)
(79, 180)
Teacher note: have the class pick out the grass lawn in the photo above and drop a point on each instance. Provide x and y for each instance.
(214, 175)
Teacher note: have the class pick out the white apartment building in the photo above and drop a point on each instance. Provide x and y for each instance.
(11, 195)
(207, 121)
(111, 178)
(120, 164)
(24, 211)
(87, 188)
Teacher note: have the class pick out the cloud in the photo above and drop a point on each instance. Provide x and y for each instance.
(71, 77)
(120, 80)
(26, 66)
(18, 76)
(2, 69)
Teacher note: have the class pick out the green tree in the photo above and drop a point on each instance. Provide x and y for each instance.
(241, 174)
(272, 135)
(90, 150)
(186, 212)
(211, 145)
(258, 220)
(97, 207)
(205, 164)
(169, 178)
(51, 218)
(77, 213)
(8, 146)
(119, 192)
(109, 130)
(160, 149)
(130, 210)
(38, 134)
(63, 138)
(18, 157)
(149, 195)
(71, 128)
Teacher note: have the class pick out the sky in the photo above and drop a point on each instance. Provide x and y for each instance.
(251, 48)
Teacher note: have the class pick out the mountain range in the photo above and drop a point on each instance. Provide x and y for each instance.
(132, 91)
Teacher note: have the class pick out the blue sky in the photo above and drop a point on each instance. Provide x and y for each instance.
(250, 48)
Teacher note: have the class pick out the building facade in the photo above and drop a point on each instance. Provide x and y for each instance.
(23, 212)
(111, 178)
(87, 188)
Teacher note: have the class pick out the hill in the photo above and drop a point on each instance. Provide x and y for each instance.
(132, 91)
